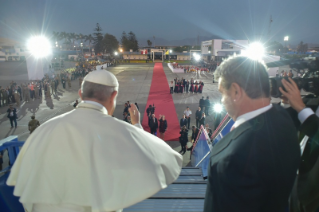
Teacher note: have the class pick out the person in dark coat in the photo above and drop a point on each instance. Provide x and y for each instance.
(207, 106)
(183, 121)
(202, 120)
(305, 193)
(12, 115)
(153, 124)
(137, 106)
(162, 126)
(254, 166)
(187, 86)
(202, 102)
(198, 115)
(183, 139)
(195, 132)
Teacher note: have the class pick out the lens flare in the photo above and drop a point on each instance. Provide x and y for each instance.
(39, 46)
(218, 108)
(255, 51)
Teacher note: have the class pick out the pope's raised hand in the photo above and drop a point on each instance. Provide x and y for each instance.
(135, 114)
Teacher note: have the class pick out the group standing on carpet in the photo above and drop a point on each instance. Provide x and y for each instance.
(185, 86)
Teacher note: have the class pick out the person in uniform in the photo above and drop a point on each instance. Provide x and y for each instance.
(36, 91)
(48, 90)
(62, 167)
(187, 86)
(26, 93)
(33, 124)
(53, 87)
(69, 82)
(63, 82)
(17, 97)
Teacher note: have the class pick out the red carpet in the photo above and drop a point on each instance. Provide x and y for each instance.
(164, 104)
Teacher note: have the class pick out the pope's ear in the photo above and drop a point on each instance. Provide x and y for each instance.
(113, 96)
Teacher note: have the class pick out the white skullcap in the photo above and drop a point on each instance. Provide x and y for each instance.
(102, 77)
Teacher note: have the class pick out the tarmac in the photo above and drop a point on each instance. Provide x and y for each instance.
(134, 85)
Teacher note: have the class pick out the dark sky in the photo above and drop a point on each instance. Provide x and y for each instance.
(165, 19)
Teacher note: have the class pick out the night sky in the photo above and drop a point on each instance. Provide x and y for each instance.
(167, 20)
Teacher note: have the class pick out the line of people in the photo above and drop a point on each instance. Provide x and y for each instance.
(185, 86)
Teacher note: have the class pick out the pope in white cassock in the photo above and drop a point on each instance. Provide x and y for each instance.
(86, 160)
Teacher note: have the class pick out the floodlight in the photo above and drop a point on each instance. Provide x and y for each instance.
(115, 53)
(209, 52)
(255, 51)
(39, 46)
(170, 51)
(197, 57)
(121, 50)
(286, 38)
(218, 108)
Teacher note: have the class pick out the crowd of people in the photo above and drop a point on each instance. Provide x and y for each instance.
(205, 68)
(186, 86)
(285, 74)
(257, 166)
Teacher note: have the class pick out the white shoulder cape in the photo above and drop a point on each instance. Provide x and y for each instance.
(88, 158)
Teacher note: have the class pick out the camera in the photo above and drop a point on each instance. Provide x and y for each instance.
(309, 81)
(308, 84)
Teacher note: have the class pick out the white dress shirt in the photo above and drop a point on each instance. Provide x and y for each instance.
(247, 116)
(187, 113)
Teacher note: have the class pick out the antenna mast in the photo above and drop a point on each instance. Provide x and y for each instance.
(269, 28)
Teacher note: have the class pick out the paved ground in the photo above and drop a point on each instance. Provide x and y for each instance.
(134, 80)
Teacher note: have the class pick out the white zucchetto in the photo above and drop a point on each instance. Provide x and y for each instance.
(102, 77)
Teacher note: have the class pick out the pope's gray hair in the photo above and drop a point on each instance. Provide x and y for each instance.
(96, 91)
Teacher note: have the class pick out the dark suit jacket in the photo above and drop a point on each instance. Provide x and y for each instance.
(152, 124)
(194, 135)
(198, 114)
(183, 122)
(305, 194)
(14, 113)
(253, 168)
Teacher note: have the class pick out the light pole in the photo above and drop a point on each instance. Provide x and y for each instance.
(169, 55)
(286, 38)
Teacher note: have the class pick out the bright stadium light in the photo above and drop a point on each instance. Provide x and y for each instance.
(255, 51)
(170, 51)
(115, 53)
(286, 38)
(39, 46)
(197, 57)
(218, 108)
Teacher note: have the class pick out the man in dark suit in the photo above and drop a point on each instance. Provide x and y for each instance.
(12, 115)
(183, 121)
(207, 106)
(202, 102)
(195, 132)
(305, 193)
(254, 166)
(153, 124)
(198, 116)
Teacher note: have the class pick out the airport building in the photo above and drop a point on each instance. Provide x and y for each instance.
(217, 49)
